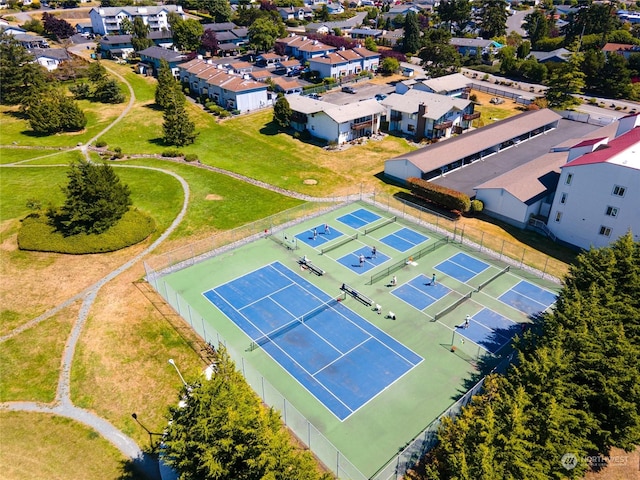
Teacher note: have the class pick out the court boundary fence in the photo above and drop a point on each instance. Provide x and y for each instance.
(325, 451)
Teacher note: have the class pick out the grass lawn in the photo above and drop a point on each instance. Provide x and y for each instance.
(56, 448)
(30, 361)
(12, 155)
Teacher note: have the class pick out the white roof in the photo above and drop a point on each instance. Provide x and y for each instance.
(448, 83)
(306, 105)
(437, 105)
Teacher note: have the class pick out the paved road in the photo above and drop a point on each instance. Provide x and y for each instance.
(514, 22)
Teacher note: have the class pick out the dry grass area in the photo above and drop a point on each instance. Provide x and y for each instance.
(621, 466)
(33, 282)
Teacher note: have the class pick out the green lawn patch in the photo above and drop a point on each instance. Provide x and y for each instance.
(12, 155)
(38, 235)
(30, 361)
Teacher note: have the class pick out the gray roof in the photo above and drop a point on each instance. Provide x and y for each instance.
(557, 55)
(220, 27)
(57, 53)
(471, 42)
(160, 53)
(357, 19)
(115, 39)
(448, 83)
(133, 10)
(437, 105)
(447, 151)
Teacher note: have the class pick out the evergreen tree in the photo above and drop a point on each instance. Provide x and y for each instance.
(536, 26)
(411, 40)
(493, 18)
(20, 76)
(456, 13)
(222, 431)
(167, 85)
(139, 38)
(282, 112)
(95, 200)
(96, 71)
(54, 112)
(220, 10)
(108, 91)
(177, 127)
(592, 67)
(370, 44)
(565, 81)
(616, 77)
(438, 56)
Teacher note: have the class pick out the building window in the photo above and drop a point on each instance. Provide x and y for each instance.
(563, 198)
(619, 191)
(612, 211)
(568, 179)
(606, 231)
(558, 216)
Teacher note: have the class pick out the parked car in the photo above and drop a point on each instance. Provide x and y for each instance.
(380, 96)
(496, 101)
(315, 96)
(348, 89)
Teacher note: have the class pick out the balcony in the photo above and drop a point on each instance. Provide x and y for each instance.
(443, 125)
(396, 117)
(361, 125)
(471, 116)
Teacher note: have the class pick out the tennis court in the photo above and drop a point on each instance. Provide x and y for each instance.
(462, 267)
(528, 298)
(404, 239)
(339, 357)
(344, 376)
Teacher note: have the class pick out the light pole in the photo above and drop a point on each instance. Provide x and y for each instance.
(151, 434)
(181, 377)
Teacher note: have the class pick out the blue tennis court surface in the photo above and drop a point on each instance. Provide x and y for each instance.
(419, 293)
(462, 267)
(528, 298)
(352, 260)
(322, 235)
(339, 357)
(359, 218)
(490, 330)
(404, 239)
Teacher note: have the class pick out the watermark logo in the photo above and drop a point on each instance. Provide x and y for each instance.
(569, 461)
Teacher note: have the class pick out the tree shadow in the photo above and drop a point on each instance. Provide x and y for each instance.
(145, 468)
(270, 129)
(17, 114)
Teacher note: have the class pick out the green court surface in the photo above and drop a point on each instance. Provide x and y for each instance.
(374, 433)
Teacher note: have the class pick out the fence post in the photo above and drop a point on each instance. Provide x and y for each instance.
(524, 250)
(501, 249)
(544, 271)
(481, 240)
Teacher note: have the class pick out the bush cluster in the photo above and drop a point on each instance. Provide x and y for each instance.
(172, 153)
(191, 157)
(443, 196)
(37, 234)
(476, 206)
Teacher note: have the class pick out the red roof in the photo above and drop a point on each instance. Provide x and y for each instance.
(591, 141)
(607, 152)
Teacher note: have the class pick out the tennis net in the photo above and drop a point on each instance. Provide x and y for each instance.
(293, 324)
(487, 282)
(453, 306)
(339, 243)
(367, 231)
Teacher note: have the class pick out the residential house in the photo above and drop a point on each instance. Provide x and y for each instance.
(343, 62)
(12, 29)
(50, 58)
(269, 59)
(475, 46)
(454, 85)
(108, 20)
(151, 57)
(344, 25)
(120, 46)
(229, 90)
(401, 9)
(559, 55)
(295, 13)
(84, 28)
(598, 193)
(30, 41)
(439, 158)
(303, 47)
(364, 33)
(230, 36)
(428, 115)
(626, 16)
(621, 49)
(335, 123)
(287, 85)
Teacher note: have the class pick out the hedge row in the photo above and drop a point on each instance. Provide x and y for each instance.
(36, 234)
(443, 196)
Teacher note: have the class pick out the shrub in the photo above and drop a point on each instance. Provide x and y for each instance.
(440, 195)
(191, 157)
(473, 97)
(36, 234)
(476, 206)
(172, 153)
(224, 113)
(101, 144)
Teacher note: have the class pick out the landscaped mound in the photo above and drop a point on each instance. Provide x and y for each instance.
(38, 235)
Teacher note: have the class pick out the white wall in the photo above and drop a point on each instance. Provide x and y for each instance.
(401, 169)
(322, 126)
(505, 205)
(251, 100)
(587, 199)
